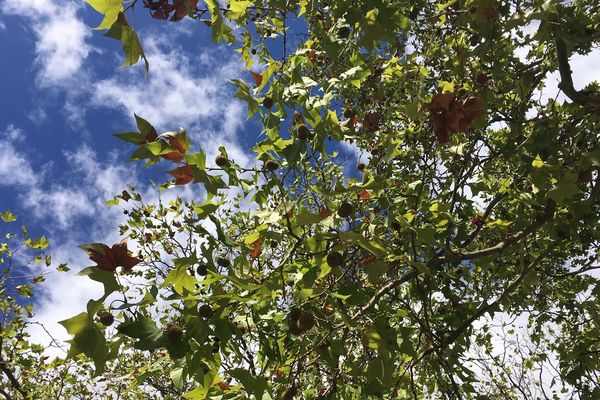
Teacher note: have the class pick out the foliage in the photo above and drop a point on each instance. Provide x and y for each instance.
(302, 277)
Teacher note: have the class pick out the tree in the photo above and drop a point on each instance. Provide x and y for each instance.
(307, 276)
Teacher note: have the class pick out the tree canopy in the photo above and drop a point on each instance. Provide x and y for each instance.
(414, 193)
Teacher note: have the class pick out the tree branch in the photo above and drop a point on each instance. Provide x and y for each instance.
(488, 306)
(498, 248)
(566, 79)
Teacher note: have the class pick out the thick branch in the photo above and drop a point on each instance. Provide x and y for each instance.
(566, 78)
(458, 257)
(11, 377)
(500, 247)
(385, 289)
(488, 306)
(14, 382)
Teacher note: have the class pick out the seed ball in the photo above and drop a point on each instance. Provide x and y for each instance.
(349, 113)
(289, 393)
(221, 161)
(223, 262)
(482, 79)
(303, 132)
(174, 333)
(335, 259)
(205, 311)
(268, 102)
(585, 176)
(343, 32)
(202, 270)
(106, 319)
(271, 165)
(306, 322)
(345, 210)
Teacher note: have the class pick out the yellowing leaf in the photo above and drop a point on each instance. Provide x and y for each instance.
(538, 162)
(110, 9)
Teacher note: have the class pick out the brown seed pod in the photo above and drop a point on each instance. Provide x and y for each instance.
(335, 259)
(205, 311)
(221, 161)
(345, 210)
(343, 32)
(223, 262)
(268, 102)
(106, 319)
(303, 132)
(174, 333)
(202, 270)
(271, 165)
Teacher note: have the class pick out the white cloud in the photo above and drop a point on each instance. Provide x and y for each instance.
(15, 168)
(61, 46)
(177, 91)
(195, 93)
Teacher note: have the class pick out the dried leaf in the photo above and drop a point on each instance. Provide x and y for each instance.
(183, 175)
(364, 195)
(256, 249)
(258, 78)
(109, 258)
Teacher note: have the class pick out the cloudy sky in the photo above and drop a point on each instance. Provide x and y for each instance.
(63, 94)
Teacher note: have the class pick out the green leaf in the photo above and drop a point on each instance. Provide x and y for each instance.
(253, 384)
(565, 188)
(87, 339)
(130, 41)
(37, 244)
(106, 278)
(8, 216)
(149, 335)
(537, 162)
(180, 280)
(369, 245)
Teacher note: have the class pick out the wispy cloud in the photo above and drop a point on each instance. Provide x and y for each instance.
(15, 168)
(61, 45)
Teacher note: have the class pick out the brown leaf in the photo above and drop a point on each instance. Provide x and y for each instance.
(364, 195)
(449, 115)
(180, 9)
(152, 136)
(368, 260)
(371, 121)
(122, 19)
(173, 141)
(159, 14)
(109, 258)
(258, 78)
(490, 13)
(174, 156)
(256, 249)
(324, 212)
(472, 107)
(441, 102)
(183, 175)
(122, 257)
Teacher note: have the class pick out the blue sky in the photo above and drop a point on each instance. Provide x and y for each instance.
(63, 94)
